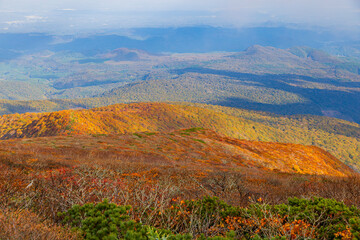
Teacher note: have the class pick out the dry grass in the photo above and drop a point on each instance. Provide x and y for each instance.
(24, 224)
(43, 176)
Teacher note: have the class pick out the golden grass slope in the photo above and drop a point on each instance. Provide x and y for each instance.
(340, 138)
(121, 119)
(193, 149)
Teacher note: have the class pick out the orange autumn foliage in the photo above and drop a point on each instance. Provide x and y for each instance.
(189, 148)
(164, 117)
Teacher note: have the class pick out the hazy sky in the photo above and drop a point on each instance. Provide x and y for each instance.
(87, 15)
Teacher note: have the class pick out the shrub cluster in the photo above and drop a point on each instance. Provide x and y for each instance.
(315, 218)
(108, 221)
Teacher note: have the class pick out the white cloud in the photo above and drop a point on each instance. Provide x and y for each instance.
(30, 19)
(67, 9)
(14, 22)
(33, 18)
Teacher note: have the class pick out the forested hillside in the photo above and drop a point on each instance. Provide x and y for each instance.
(298, 80)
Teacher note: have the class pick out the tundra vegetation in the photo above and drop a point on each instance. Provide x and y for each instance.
(182, 184)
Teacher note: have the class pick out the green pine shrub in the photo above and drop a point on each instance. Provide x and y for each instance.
(103, 221)
(315, 218)
(328, 215)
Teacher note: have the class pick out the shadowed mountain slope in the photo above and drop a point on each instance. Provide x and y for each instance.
(300, 80)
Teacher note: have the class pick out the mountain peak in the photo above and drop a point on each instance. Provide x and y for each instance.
(255, 49)
(125, 54)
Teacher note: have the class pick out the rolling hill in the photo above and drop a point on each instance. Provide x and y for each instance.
(193, 149)
(145, 155)
(339, 137)
(179, 133)
(298, 80)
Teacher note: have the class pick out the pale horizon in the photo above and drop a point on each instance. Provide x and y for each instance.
(91, 16)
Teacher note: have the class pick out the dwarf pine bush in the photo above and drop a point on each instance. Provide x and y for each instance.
(328, 215)
(103, 221)
(315, 218)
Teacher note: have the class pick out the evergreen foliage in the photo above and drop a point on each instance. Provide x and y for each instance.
(315, 218)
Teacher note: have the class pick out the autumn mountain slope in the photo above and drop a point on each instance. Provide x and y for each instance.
(192, 149)
(339, 137)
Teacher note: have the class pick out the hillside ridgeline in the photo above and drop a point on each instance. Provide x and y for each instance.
(339, 137)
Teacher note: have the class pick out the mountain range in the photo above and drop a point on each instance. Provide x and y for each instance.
(140, 121)
(298, 80)
(185, 40)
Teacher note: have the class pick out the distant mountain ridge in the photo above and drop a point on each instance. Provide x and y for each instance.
(299, 80)
(125, 54)
(186, 39)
